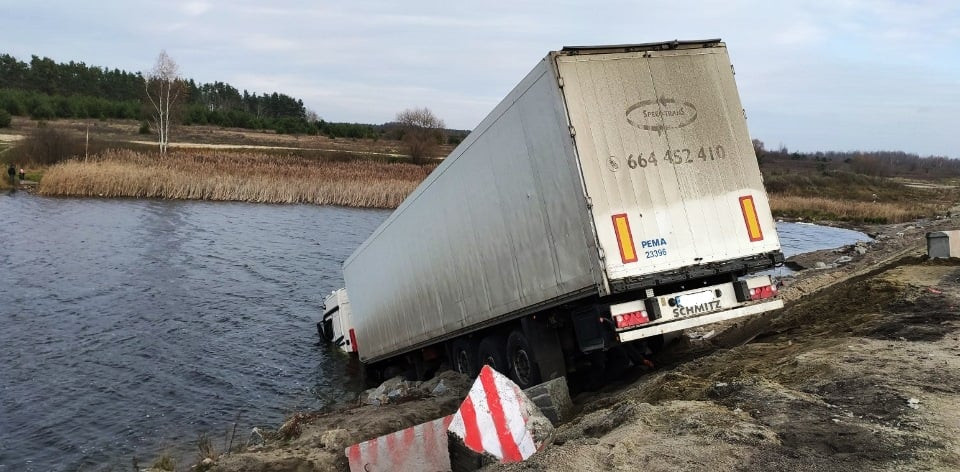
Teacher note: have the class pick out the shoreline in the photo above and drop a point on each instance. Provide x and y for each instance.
(891, 259)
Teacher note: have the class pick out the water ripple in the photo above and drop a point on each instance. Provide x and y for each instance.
(132, 326)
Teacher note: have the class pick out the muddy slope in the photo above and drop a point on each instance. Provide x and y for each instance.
(865, 375)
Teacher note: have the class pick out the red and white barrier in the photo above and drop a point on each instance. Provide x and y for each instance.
(495, 418)
(418, 448)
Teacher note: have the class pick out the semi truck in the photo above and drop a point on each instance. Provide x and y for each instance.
(612, 198)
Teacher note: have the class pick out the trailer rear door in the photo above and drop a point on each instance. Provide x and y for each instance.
(666, 158)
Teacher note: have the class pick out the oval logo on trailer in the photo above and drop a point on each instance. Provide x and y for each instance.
(661, 114)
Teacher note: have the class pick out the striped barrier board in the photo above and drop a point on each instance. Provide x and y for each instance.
(418, 448)
(495, 418)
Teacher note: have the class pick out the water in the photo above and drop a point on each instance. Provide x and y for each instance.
(128, 327)
(797, 238)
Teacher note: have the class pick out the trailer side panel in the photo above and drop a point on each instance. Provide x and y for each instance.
(499, 227)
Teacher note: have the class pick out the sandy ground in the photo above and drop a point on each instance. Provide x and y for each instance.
(861, 371)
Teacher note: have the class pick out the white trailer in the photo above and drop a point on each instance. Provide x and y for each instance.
(612, 196)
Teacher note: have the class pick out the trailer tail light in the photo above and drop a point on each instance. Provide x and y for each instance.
(756, 288)
(633, 318)
(760, 293)
(749, 210)
(628, 253)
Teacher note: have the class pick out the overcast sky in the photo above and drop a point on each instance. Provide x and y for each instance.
(813, 75)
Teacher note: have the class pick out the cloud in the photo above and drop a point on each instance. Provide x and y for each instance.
(814, 75)
(269, 43)
(195, 8)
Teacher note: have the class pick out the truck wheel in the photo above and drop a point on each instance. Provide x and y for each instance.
(523, 369)
(491, 353)
(463, 357)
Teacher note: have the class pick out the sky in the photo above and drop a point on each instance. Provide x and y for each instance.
(813, 75)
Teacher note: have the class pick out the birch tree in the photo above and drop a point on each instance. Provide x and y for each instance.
(164, 87)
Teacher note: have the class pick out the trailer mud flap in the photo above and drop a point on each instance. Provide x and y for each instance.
(588, 325)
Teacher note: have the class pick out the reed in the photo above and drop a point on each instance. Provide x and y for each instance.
(235, 176)
(820, 208)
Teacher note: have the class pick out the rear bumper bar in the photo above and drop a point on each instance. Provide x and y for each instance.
(687, 323)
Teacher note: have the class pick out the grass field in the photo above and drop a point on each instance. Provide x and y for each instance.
(850, 197)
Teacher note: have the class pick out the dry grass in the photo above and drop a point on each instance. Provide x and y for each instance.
(235, 176)
(820, 208)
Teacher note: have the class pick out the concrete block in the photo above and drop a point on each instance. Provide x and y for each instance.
(496, 420)
(553, 399)
(943, 244)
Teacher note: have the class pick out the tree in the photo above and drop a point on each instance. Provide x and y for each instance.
(163, 86)
(422, 132)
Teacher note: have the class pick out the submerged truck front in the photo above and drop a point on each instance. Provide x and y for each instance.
(612, 196)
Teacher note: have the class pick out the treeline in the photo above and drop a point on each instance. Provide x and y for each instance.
(44, 89)
(872, 163)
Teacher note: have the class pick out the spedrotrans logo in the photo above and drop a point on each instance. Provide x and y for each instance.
(661, 114)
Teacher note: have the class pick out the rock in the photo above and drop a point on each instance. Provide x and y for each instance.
(820, 265)
(913, 403)
(392, 390)
(439, 390)
(207, 461)
(843, 260)
(860, 248)
(702, 335)
(256, 437)
(453, 384)
(335, 439)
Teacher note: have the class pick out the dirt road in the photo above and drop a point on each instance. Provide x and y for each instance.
(861, 371)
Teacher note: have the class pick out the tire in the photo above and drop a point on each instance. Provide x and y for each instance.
(463, 357)
(524, 370)
(491, 352)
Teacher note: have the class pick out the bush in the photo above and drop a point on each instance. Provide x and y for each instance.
(46, 146)
(42, 111)
(5, 118)
(144, 127)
